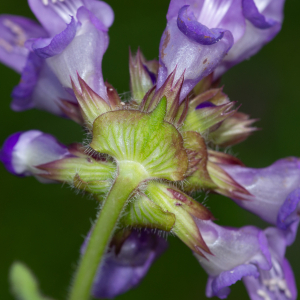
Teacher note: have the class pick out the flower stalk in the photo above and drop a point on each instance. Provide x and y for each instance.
(128, 179)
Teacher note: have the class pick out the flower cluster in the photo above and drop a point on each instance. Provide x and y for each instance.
(148, 155)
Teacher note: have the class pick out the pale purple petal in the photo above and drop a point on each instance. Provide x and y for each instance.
(45, 48)
(14, 31)
(219, 286)
(255, 37)
(125, 270)
(22, 152)
(195, 60)
(235, 253)
(83, 55)
(225, 14)
(252, 14)
(55, 16)
(205, 32)
(269, 186)
(278, 283)
(39, 88)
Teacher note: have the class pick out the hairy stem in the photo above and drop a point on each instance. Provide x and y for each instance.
(129, 177)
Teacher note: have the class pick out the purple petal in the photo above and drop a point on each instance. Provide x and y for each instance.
(269, 186)
(194, 30)
(189, 57)
(125, 270)
(55, 16)
(14, 31)
(252, 14)
(78, 58)
(45, 48)
(23, 151)
(254, 38)
(22, 92)
(33, 90)
(288, 211)
(226, 244)
(7, 150)
(219, 286)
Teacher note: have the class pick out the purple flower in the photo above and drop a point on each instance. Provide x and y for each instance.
(206, 35)
(124, 268)
(275, 192)
(23, 151)
(78, 47)
(250, 254)
(263, 22)
(198, 35)
(49, 57)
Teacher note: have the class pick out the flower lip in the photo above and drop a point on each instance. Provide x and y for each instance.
(188, 25)
(252, 14)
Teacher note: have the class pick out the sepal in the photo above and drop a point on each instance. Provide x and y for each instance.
(99, 188)
(86, 167)
(140, 77)
(197, 174)
(206, 117)
(176, 111)
(233, 130)
(172, 200)
(142, 212)
(90, 103)
(113, 96)
(226, 185)
(71, 110)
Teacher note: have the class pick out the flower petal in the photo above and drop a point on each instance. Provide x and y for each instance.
(14, 31)
(270, 187)
(124, 270)
(189, 57)
(23, 151)
(45, 48)
(79, 58)
(194, 30)
(33, 90)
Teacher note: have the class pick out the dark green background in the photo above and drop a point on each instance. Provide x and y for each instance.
(44, 225)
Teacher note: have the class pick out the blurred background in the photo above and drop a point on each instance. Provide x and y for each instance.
(44, 225)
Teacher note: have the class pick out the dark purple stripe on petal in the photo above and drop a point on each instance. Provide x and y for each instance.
(287, 213)
(57, 44)
(252, 14)
(196, 31)
(22, 93)
(7, 150)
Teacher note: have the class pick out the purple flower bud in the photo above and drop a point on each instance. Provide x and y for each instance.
(263, 22)
(124, 269)
(23, 151)
(275, 192)
(250, 254)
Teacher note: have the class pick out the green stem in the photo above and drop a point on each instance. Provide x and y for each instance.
(129, 177)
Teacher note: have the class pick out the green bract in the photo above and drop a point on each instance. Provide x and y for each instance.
(143, 138)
